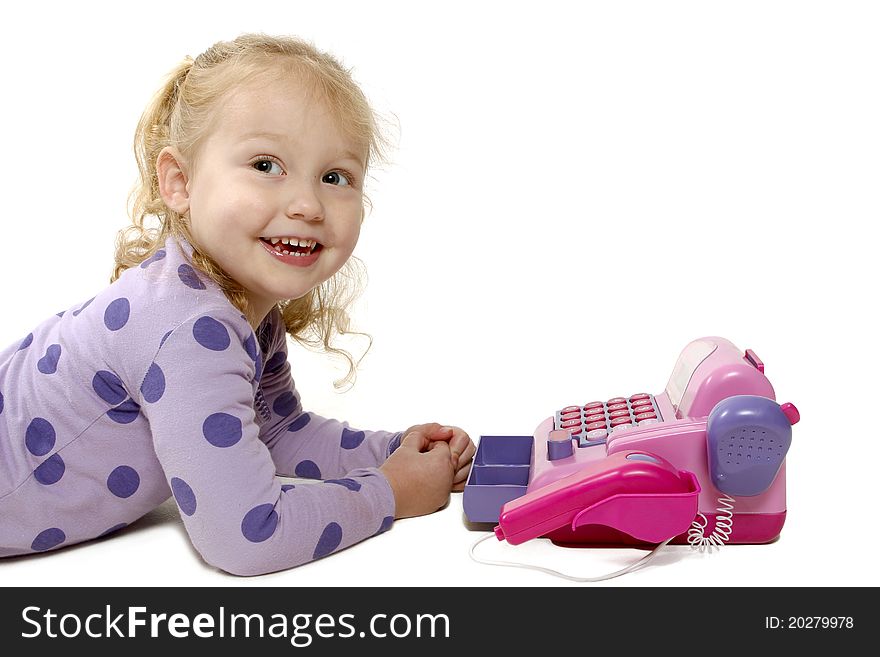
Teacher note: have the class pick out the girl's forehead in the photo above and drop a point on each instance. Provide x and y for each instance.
(279, 107)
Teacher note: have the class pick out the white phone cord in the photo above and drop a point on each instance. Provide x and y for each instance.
(723, 527)
(638, 564)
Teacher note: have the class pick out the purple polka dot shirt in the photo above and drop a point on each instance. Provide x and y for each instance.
(159, 387)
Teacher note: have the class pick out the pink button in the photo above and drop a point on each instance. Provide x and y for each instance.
(597, 434)
(575, 430)
(641, 402)
(645, 416)
(649, 421)
(621, 426)
(568, 424)
(592, 405)
(641, 395)
(595, 425)
(616, 422)
(595, 418)
(616, 407)
(616, 400)
(570, 409)
(568, 415)
(619, 413)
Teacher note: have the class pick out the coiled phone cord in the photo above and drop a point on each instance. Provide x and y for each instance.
(720, 534)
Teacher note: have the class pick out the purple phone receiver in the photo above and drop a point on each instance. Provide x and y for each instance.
(747, 440)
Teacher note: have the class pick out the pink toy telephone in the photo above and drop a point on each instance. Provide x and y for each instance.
(641, 469)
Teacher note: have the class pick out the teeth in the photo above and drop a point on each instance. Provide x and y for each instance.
(292, 242)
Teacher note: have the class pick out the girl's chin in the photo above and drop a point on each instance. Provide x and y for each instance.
(291, 294)
(270, 298)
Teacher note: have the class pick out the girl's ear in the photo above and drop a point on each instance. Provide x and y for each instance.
(170, 168)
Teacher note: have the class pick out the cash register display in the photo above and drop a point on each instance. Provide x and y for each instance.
(688, 362)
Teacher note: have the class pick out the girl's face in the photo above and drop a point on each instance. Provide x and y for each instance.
(276, 167)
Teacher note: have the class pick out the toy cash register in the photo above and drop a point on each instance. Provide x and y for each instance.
(642, 469)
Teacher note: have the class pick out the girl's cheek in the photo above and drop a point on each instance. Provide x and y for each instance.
(352, 232)
(243, 210)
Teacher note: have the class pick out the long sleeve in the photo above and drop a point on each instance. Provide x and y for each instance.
(304, 444)
(198, 396)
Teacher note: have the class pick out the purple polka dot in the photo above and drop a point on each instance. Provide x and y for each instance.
(117, 313)
(307, 469)
(350, 484)
(49, 363)
(222, 429)
(126, 413)
(287, 487)
(189, 277)
(285, 404)
(47, 539)
(61, 314)
(330, 539)
(184, 495)
(299, 422)
(83, 307)
(50, 470)
(250, 346)
(164, 337)
(1, 402)
(26, 342)
(259, 523)
(109, 387)
(39, 437)
(153, 386)
(158, 255)
(211, 334)
(123, 481)
(114, 528)
(276, 362)
(394, 444)
(387, 521)
(351, 439)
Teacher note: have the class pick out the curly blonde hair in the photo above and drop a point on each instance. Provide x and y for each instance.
(181, 114)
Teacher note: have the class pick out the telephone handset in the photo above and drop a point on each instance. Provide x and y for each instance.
(636, 492)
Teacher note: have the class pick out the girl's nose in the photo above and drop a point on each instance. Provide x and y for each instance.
(303, 202)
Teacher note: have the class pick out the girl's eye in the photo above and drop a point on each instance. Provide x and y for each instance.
(265, 165)
(336, 178)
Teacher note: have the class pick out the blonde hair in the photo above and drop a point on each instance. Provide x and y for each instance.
(181, 114)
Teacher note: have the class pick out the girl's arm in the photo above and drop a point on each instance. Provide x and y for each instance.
(304, 444)
(198, 395)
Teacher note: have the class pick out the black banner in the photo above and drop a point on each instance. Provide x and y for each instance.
(394, 620)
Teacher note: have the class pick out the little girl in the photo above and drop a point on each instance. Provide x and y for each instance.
(174, 380)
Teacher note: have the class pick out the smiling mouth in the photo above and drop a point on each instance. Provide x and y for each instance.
(292, 246)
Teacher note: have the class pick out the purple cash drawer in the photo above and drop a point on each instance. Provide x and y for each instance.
(500, 473)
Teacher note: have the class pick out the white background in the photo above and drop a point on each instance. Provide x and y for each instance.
(577, 191)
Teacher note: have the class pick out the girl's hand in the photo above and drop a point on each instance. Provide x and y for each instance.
(420, 474)
(461, 448)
